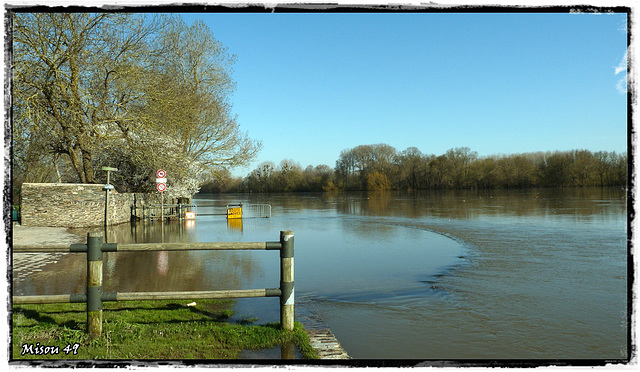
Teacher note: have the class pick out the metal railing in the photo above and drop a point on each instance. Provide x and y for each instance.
(250, 210)
(256, 211)
(155, 211)
(167, 210)
(94, 296)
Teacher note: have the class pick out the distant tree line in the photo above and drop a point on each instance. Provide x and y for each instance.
(381, 167)
(267, 177)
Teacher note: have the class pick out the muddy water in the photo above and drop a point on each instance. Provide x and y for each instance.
(535, 274)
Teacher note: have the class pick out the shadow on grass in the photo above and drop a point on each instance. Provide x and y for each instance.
(35, 315)
(217, 313)
(72, 324)
(209, 312)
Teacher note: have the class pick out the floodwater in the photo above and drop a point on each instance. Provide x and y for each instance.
(434, 275)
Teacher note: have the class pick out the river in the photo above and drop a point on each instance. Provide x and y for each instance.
(433, 275)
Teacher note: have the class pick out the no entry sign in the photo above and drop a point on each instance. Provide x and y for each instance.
(161, 173)
(161, 187)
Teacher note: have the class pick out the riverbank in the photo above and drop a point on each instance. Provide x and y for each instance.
(146, 330)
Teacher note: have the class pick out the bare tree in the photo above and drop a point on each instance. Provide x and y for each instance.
(67, 71)
(142, 91)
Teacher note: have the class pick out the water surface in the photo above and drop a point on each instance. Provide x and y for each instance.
(534, 274)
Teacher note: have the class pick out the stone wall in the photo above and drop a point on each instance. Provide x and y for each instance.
(71, 205)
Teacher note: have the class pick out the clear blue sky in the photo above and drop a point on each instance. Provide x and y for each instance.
(312, 85)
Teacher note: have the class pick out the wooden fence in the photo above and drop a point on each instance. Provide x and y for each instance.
(94, 296)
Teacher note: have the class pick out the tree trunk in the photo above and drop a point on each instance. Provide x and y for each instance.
(87, 167)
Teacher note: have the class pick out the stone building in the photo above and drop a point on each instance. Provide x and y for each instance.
(72, 205)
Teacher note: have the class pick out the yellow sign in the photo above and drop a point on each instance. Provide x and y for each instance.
(234, 212)
(189, 215)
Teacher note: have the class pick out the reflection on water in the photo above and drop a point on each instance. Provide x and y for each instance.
(288, 351)
(522, 274)
(149, 271)
(234, 224)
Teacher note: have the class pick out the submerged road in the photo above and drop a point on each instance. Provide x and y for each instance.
(24, 264)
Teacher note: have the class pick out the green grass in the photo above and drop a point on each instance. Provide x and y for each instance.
(146, 330)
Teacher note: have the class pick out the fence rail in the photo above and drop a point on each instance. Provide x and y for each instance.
(94, 296)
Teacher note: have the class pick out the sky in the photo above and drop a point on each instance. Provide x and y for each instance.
(312, 85)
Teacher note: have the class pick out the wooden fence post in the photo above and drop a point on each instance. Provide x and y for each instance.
(94, 284)
(286, 281)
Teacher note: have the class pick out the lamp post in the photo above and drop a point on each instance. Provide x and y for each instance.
(107, 188)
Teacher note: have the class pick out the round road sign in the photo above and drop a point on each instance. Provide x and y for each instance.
(161, 187)
(161, 173)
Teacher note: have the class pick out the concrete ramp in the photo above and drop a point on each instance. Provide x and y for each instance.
(321, 338)
(326, 344)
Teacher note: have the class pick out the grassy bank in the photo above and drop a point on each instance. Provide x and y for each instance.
(145, 330)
